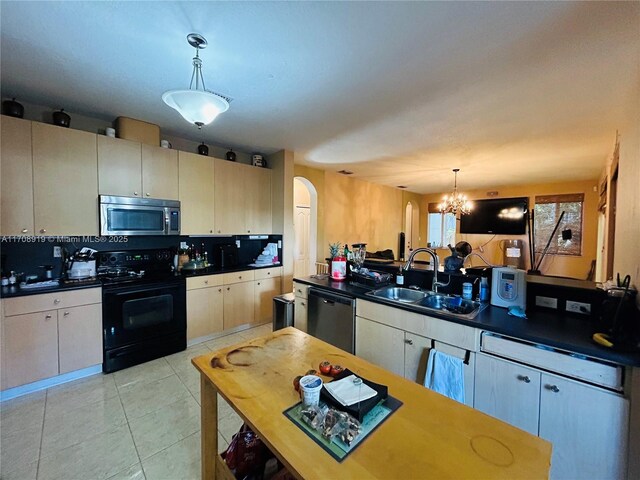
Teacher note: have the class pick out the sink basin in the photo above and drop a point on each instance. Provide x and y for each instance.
(431, 301)
(399, 294)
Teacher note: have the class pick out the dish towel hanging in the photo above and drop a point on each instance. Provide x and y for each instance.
(445, 375)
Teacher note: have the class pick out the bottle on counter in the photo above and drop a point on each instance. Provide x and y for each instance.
(12, 278)
(484, 289)
(400, 277)
(467, 290)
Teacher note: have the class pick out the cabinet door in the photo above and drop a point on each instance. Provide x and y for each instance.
(238, 304)
(80, 337)
(30, 349)
(159, 172)
(265, 290)
(258, 200)
(508, 391)
(196, 181)
(416, 354)
(119, 167)
(588, 428)
(204, 312)
(230, 191)
(65, 181)
(380, 344)
(17, 177)
(300, 314)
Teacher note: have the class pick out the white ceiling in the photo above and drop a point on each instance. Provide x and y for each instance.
(398, 92)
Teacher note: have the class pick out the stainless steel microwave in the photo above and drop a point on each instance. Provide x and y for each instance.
(138, 216)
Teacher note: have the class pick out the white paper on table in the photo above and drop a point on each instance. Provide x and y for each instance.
(347, 393)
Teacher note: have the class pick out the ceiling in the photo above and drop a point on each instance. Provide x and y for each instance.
(397, 92)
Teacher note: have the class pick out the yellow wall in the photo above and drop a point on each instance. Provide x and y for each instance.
(352, 211)
(559, 265)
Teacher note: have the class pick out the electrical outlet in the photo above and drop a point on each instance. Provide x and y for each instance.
(578, 307)
(546, 302)
(57, 252)
(238, 243)
(279, 243)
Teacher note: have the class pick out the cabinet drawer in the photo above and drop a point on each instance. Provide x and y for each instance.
(204, 281)
(48, 301)
(237, 277)
(301, 290)
(593, 371)
(264, 273)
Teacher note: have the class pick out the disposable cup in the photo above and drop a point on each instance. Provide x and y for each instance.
(310, 386)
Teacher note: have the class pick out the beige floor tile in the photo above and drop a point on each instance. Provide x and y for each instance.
(77, 425)
(143, 373)
(141, 399)
(225, 341)
(179, 461)
(193, 385)
(181, 361)
(229, 423)
(222, 443)
(133, 473)
(22, 408)
(256, 332)
(166, 426)
(20, 436)
(99, 457)
(26, 472)
(81, 392)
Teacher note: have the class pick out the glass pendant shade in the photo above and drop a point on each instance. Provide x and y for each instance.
(196, 106)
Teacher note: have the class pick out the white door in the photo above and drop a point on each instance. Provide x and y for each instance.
(302, 225)
(408, 229)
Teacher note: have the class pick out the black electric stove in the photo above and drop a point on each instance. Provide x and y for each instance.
(143, 307)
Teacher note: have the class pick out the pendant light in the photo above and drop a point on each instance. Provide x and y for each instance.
(197, 105)
(456, 202)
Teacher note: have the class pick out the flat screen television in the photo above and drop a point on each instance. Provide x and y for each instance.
(503, 216)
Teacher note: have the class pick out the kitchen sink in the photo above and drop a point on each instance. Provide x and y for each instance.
(431, 301)
(399, 294)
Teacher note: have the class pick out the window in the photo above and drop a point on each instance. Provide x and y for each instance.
(441, 227)
(547, 211)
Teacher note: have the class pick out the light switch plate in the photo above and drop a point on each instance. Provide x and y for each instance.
(57, 252)
(238, 243)
(279, 243)
(547, 302)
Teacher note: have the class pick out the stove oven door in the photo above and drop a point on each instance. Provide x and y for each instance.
(137, 314)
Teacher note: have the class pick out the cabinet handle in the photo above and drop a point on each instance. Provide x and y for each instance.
(218, 231)
(47, 317)
(300, 290)
(24, 230)
(135, 194)
(268, 273)
(220, 290)
(206, 282)
(210, 231)
(302, 303)
(258, 283)
(56, 301)
(43, 230)
(408, 341)
(553, 388)
(524, 378)
(148, 194)
(228, 288)
(239, 277)
(66, 314)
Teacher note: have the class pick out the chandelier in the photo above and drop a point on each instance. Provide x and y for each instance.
(456, 201)
(197, 105)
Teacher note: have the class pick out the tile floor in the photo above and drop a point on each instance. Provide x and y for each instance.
(139, 423)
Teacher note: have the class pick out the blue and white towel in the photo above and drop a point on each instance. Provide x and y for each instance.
(445, 375)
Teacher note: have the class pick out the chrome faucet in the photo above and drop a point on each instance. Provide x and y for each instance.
(436, 265)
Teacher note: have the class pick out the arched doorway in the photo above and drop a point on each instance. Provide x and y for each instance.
(411, 227)
(305, 227)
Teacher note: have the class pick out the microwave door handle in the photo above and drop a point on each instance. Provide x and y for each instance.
(167, 221)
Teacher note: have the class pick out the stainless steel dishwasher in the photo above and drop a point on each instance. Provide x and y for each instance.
(331, 318)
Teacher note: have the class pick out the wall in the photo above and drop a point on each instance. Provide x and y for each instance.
(281, 164)
(352, 211)
(558, 265)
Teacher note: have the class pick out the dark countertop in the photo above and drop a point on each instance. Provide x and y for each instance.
(16, 291)
(562, 331)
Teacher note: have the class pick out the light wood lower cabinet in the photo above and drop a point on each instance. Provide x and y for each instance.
(380, 344)
(79, 337)
(300, 310)
(40, 340)
(204, 312)
(239, 305)
(587, 425)
(265, 290)
(30, 349)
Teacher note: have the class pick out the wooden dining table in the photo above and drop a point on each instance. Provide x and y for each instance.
(429, 436)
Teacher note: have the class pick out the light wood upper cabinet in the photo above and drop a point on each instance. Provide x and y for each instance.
(119, 167)
(159, 172)
(80, 337)
(65, 181)
(17, 177)
(242, 198)
(196, 188)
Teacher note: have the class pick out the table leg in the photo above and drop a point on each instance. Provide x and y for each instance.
(208, 428)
